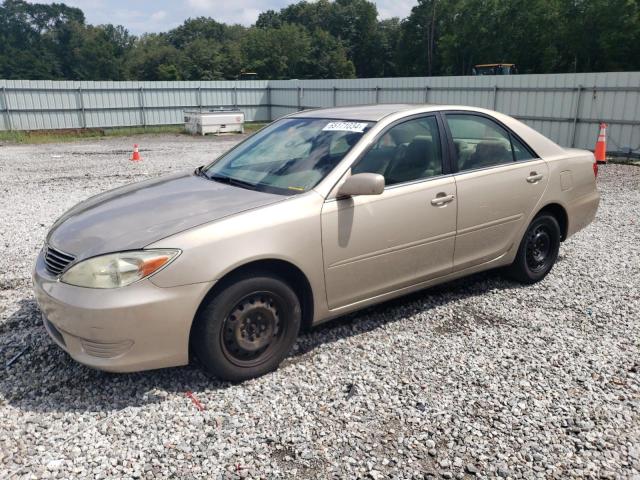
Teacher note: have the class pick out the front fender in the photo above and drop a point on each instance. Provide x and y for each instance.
(288, 231)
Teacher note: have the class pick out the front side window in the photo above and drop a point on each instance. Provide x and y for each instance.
(406, 152)
(480, 142)
(290, 156)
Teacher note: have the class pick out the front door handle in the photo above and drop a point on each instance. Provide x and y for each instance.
(534, 177)
(442, 199)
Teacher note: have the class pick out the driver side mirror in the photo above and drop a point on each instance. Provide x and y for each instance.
(362, 184)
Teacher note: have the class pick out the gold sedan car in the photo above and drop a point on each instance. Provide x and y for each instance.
(320, 213)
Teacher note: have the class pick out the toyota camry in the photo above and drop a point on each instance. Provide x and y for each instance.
(321, 213)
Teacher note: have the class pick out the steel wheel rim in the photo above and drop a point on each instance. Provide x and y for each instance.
(253, 329)
(539, 249)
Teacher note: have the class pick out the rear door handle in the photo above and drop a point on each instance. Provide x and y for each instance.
(534, 177)
(442, 199)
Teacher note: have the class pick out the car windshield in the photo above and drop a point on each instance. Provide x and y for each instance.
(288, 157)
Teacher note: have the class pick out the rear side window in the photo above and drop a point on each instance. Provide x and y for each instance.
(480, 142)
(406, 152)
(520, 152)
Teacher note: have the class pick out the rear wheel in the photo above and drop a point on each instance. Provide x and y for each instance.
(538, 250)
(247, 328)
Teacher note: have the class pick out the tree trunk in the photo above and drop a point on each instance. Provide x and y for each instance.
(431, 41)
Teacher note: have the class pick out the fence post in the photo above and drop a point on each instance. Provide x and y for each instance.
(377, 94)
(426, 94)
(235, 96)
(575, 116)
(143, 115)
(335, 96)
(82, 112)
(199, 98)
(495, 96)
(299, 98)
(269, 107)
(6, 108)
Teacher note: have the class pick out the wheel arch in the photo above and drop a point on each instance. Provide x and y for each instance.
(560, 214)
(282, 269)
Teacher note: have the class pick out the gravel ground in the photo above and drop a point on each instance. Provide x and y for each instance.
(479, 377)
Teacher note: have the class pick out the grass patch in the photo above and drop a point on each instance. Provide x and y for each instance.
(250, 127)
(74, 134)
(632, 158)
(625, 161)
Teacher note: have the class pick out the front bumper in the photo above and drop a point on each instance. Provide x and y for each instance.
(138, 327)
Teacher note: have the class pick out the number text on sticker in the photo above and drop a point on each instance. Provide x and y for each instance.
(356, 127)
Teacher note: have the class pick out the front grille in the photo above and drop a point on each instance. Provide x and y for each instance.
(56, 261)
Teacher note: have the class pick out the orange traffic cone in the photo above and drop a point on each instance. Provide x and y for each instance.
(135, 156)
(601, 144)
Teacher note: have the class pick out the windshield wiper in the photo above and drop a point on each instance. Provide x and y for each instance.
(232, 181)
(223, 179)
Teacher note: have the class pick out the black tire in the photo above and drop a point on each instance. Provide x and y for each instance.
(538, 250)
(247, 328)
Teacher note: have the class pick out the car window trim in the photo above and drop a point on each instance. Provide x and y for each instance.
(452, 148)
(446, 163)
(331, 119)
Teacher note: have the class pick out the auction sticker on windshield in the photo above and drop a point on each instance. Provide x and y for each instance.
(356, 127)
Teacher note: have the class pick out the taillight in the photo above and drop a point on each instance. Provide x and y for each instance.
(595, 168)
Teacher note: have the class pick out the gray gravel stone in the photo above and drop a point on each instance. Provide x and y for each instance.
(487, 375)
(471, 468)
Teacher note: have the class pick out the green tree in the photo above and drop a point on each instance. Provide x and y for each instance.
(353, 22)
(328, 57)
(91, 53)
(277, 52)
(269, 19)
(598, 35)
(202, 59)
(291, 51)
(154, 58)
(420, 35)
(386, 43)
(327, 38)
(26, 30)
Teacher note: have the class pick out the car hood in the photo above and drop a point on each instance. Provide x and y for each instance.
(136, 215)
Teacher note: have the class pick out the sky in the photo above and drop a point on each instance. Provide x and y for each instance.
(140, 16)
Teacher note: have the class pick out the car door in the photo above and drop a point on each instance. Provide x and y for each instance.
(499, 181)
(379, 243)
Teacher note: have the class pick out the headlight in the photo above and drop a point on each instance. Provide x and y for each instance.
(118, 269)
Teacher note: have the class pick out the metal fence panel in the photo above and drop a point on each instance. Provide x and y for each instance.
(42, 105)
(565, 107)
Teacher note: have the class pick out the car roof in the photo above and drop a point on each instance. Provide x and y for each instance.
(372, 113)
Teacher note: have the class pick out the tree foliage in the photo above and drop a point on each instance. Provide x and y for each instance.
(327, 39)
(540, 36)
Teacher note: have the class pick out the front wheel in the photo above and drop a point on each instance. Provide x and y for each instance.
(538, 250)
(248, 328)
